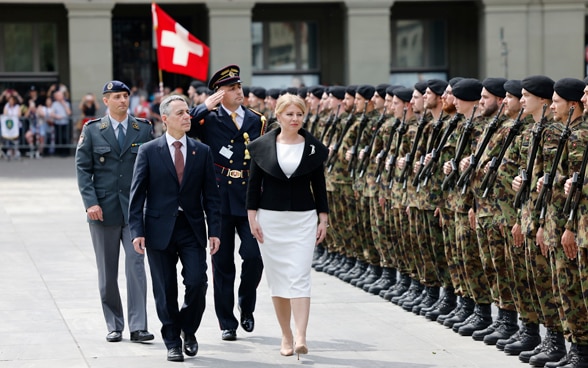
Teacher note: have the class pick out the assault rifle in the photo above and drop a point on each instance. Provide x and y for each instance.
(400, 131)
(546, 190)
(464, 140)
(365, 159)
(410, 156)
(490, 177)
(306, 121)
(575, 194)
(363, 120)
(334, 127)
(328, 124)
(381, 156)
(315, 119)
(527, 174)
(466, 176)
(431, 168)
(348, 123)
(432, 144)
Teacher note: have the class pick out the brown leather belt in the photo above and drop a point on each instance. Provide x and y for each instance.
(235, 174)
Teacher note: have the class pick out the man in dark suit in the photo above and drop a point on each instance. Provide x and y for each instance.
(227, 129)
(173, 187)
(104, 161)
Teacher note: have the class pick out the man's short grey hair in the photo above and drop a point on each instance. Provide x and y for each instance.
(164, 106)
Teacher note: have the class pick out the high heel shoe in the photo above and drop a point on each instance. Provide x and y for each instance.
(300, 349)
(286, 348)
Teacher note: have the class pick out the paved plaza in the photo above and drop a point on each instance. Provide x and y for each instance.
(50, 313)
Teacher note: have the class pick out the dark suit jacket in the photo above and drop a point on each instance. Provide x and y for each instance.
(216, 129)
(105, 171)
(156, 194)
(269, 188)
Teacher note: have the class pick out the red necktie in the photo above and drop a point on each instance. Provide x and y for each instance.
(179, 160)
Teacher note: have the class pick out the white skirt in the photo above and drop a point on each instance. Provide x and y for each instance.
(289, 240)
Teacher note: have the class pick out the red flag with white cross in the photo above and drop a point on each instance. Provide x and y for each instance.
(177, 50)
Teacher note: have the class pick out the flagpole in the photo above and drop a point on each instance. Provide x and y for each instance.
(155, 25)
(160, 81)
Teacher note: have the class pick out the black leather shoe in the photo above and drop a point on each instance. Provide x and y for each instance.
(190, 345)
(175, 355)
(141, 336)
(229, 335)
(114, 336)
(247, 321)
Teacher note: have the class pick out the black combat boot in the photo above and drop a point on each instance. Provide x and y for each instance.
(553, 350)
(482, 319)
(465, 311)
(370, 278)
(367, 272)
(500, 344)
(528, 340)
(335, 264)
(431, 298)
(480, 334)
(347, 265)
(326, 262)
(402, 285)
(507, 328)
(568, 360)
(357, 270)
(319, 250)
(442, 317)
(366, 286)
(409, 303)
(579, 357)
(444, 307)
(410, 293)
(387, 279)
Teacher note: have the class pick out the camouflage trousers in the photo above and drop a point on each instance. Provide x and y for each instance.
(379, 232)
(453, 257)
(567, 280)
(493, 256)
(391, 236)
(347, 224)
(525, 300)
(334, 241)
(367, 239)
(402, 226)
(433, 254)
(417, 241)
(475, 277)
(539, 270)
(583, 269)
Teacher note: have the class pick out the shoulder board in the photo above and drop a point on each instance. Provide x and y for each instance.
(93, 121)
(142, 120)
(255, 112)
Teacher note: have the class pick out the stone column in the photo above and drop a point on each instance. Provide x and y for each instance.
(368, 41)
(230, 35)
(90, 47)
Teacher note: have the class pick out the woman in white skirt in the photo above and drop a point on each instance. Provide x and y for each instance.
(287, 209)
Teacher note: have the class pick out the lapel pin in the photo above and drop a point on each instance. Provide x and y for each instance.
(193, 153)
(311, 150)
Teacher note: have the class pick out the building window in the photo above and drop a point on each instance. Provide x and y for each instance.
(418, 50)
(282, 50)
(28, 47)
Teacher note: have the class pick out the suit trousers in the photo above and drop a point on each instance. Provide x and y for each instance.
(106, 241)
(223, 271)
(183, 245)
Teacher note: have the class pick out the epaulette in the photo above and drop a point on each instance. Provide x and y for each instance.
(93, 121)
(143, 120)
(255, 112)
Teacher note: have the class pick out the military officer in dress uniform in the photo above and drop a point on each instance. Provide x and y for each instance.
(105, 157)
(227, 127)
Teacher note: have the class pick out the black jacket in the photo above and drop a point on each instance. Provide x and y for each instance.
(269, 188)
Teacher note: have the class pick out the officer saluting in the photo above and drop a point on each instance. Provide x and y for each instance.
(105, 158)
(228, 128)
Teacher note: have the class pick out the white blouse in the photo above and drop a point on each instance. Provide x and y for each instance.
(289, 156)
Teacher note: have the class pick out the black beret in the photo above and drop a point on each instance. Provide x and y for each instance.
(246, 91)
(495, 86)
(225, 76)
(403, 93)
(539, 85)
(337, 92)
(452, 81)
(302, 92)
(317, 91)
(115, 86)
(570, 89)
(258, 92)
(292, 90)
(273, 93)
(283, 91)
(438, 86)
(514, 87)
(366, 91)
(421, 86)
(197, 83)
(351, 90)
(381, 89)
(390, 90)
(468, 89)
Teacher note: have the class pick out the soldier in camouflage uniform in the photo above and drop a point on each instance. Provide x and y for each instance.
(467, 94)
(574, 242)
(566, 279)
(537, 91)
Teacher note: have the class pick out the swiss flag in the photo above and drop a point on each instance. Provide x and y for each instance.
(177, 50)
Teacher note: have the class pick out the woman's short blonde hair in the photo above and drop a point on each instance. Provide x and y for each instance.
(286, 100)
